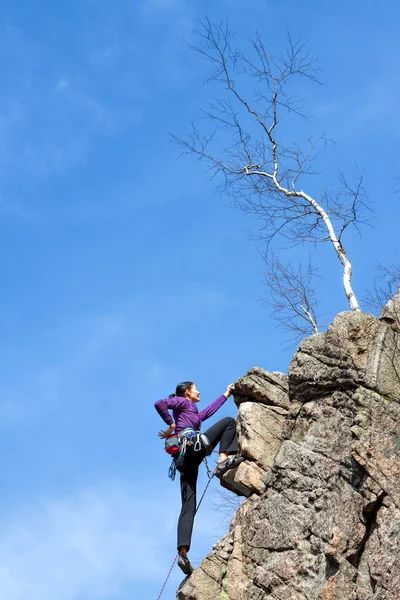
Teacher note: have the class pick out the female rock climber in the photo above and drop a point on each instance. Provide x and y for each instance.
(186, 421)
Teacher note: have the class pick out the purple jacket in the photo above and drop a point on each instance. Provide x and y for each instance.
(185, 412)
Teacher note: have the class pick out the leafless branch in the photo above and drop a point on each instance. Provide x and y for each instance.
(261, 173)
(397, 186)
(386, 284)
(227, 503)
(292, 297)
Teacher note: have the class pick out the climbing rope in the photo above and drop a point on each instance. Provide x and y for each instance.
(170, 571)
(209, 472)
(210, 476)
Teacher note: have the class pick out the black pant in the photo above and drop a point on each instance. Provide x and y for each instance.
(224, 432)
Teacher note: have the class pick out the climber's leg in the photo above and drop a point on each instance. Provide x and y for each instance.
(224, 431)
(186, 518)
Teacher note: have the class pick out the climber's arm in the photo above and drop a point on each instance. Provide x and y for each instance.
(214, 406)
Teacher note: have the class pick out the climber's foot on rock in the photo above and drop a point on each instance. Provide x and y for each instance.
(229, 463)
(185, 565)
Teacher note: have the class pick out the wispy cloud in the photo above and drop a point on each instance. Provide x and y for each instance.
(72, 361)
(54, 106)
(23, 400)
(85, 344)
(87, 545)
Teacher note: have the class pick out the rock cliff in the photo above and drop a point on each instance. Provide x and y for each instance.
(321, 475)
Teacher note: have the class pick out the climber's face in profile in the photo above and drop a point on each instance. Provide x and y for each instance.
(193, 394)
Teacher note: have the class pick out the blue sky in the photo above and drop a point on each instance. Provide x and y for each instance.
(124, 273)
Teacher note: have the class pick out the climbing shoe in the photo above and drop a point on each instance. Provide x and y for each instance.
(185, 565)
(229, 463)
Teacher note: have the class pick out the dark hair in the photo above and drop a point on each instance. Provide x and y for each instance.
(181, 388)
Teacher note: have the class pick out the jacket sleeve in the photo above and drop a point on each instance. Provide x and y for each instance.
(212, 408)
(162, 406)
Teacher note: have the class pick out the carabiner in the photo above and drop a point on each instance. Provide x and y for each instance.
(197, 445)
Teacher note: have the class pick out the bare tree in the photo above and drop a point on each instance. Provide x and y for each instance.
(292, 297)
(260, 170)
(227, 503)
(387, 283)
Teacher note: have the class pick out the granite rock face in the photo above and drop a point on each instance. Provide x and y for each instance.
(391, 312)
(322, 474)
(263, 406)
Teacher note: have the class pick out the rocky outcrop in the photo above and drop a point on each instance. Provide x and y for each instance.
(391, 312)
(263, 406)
(322, 474)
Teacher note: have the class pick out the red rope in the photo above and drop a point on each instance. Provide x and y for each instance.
(172, 566)
(170, 571)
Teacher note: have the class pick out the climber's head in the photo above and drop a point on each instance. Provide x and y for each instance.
(187, 389)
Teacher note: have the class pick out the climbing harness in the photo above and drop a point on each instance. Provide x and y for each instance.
(177, 444)
(210, 476)
(191, 437)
